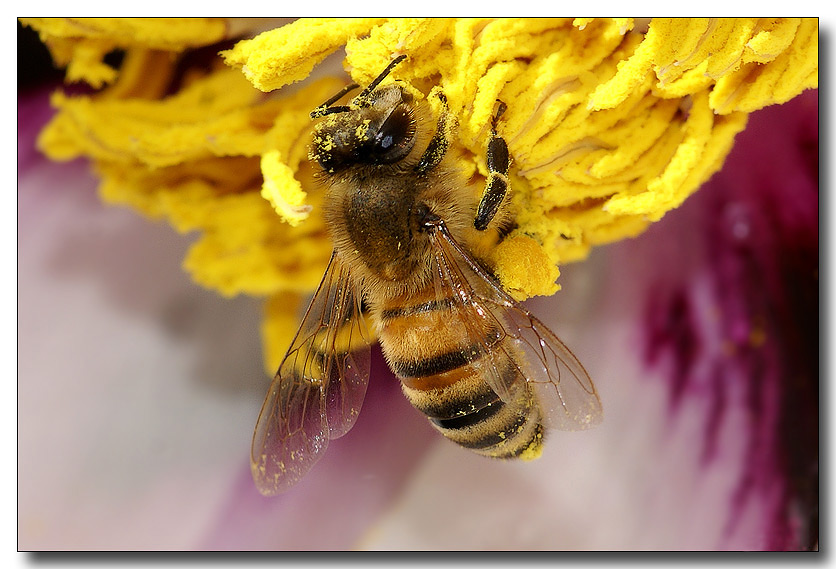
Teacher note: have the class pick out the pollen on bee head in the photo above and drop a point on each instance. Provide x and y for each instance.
(362, 129)
(325, 143)
(321, 146)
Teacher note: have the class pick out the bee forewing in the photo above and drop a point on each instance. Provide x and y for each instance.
(319, 388)
(475, 323)
(564, 389)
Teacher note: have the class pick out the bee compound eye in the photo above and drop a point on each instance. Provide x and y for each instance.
(395, 137)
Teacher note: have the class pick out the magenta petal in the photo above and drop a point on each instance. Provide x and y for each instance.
(732, 314)
(33, 112)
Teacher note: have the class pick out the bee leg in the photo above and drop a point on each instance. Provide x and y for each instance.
(438, 145)
(496, 187)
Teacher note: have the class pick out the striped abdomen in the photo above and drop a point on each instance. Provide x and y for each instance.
(442, 369)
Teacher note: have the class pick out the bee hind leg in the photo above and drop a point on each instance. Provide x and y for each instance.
(496, 187)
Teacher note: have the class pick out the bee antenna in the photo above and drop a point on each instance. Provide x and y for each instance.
(362, 98)
(326, 108)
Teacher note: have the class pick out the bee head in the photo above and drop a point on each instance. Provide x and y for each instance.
(379, 129)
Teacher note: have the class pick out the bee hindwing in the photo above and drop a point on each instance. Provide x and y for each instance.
(319, 388)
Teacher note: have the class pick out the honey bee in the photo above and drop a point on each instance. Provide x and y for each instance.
(487, 374)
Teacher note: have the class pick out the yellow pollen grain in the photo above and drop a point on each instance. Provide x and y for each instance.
(362, 129)
(534, 450)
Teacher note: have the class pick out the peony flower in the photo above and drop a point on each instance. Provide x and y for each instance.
(613, 124)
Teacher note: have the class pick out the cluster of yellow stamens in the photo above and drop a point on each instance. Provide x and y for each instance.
(610, 124)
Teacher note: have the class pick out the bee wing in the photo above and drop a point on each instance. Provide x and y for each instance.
(564, 389)
(319, 387)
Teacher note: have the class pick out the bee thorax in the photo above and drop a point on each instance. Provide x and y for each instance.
(382, 225)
